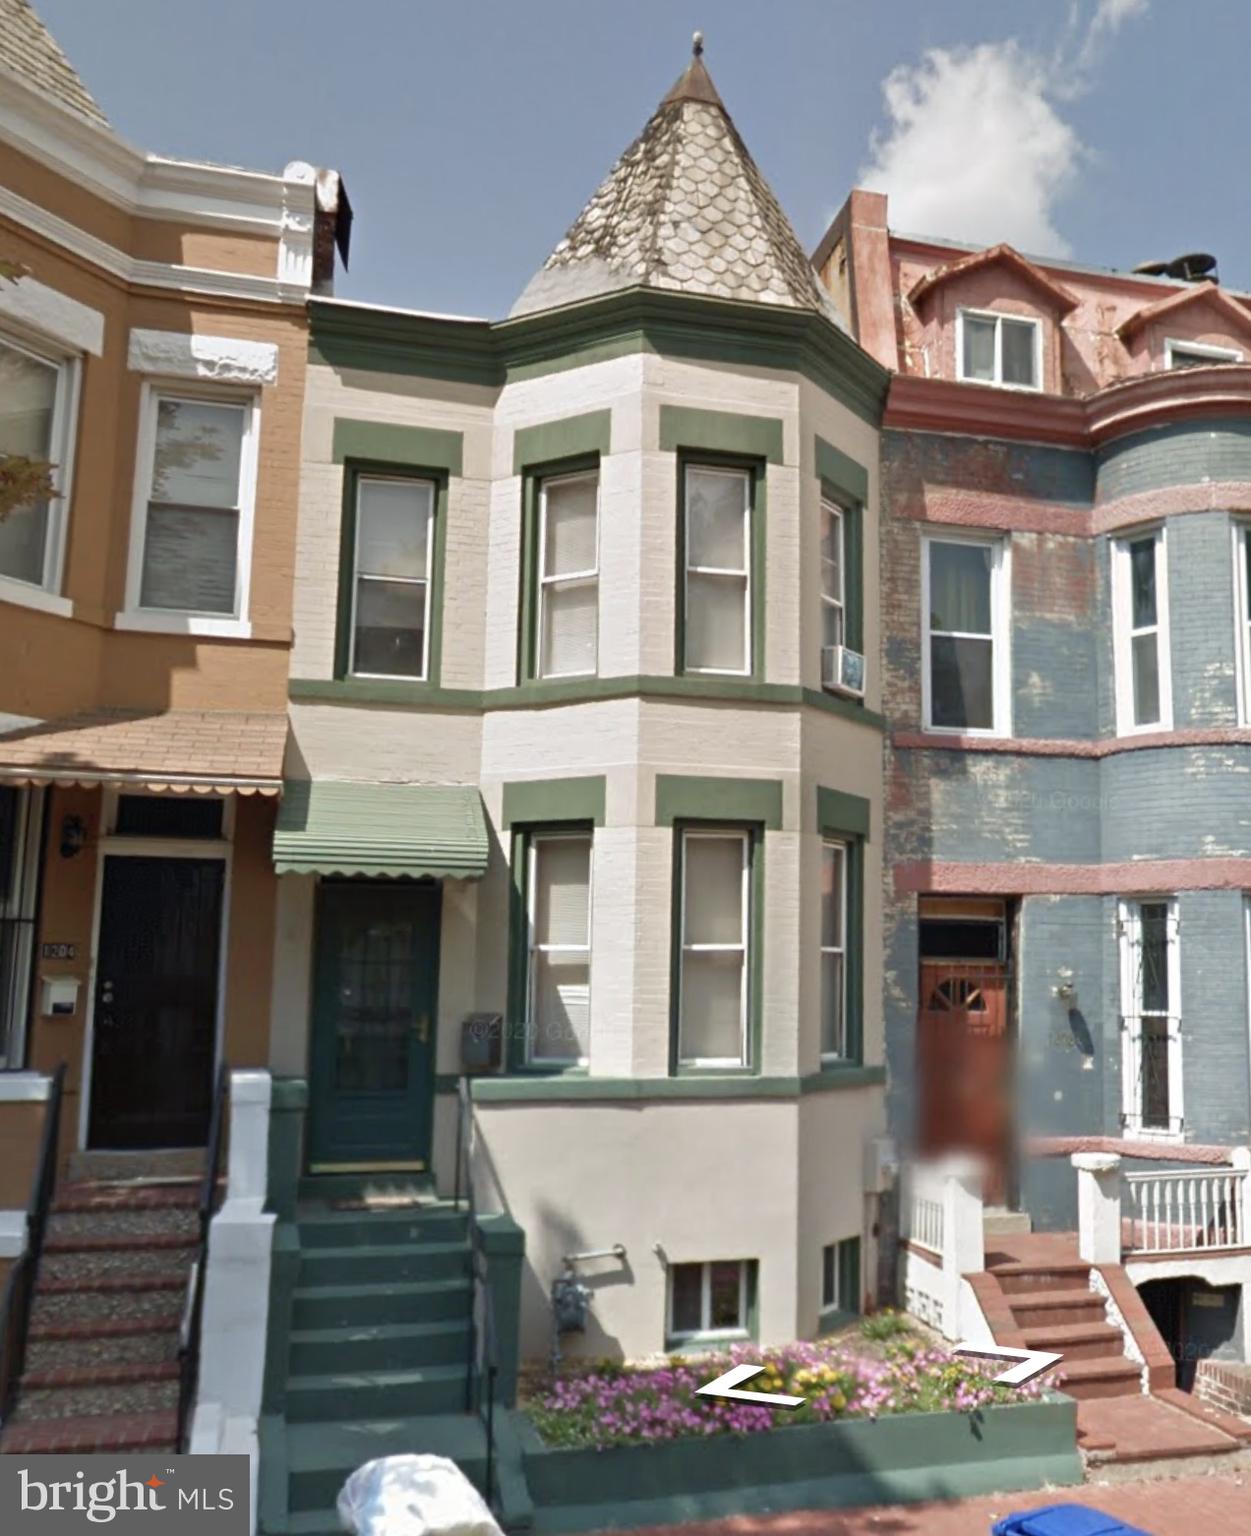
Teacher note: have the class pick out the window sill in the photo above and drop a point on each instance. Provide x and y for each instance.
(1014, 389)
(834, 1075)
(24, 595)
(680, 1343)
(1158, 728)
(834, 1319)
(151, 622)
(1166, 1138)
(977, 732)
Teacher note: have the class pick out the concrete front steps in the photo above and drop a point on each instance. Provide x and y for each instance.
(377, 1356)
(1036, 1294)
(101, 1368)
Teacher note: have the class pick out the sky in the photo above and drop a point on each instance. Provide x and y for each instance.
(470, 132)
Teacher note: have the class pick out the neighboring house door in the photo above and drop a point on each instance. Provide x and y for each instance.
(962, 1042)
(154, 1030)
(372, 1050)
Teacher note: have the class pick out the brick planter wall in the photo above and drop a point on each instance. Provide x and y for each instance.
(1224, 1384)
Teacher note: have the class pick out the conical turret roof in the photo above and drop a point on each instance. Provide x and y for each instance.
(28, 49)
(684, 209)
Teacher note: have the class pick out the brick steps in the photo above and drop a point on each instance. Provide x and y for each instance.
(1142, 1429)
(94, 1432)
(1058, 1309)
(101, 1369)
(1106, 1376)
(1076, 1341)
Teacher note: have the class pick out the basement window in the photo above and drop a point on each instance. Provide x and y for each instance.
(712, 1301)
(1005, 350)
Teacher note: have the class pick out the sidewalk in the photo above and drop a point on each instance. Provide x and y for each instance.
(1190, 1506)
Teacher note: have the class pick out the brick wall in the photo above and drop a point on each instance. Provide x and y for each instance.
(1224, 1384)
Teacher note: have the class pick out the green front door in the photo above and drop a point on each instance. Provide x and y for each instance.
(372, 1055)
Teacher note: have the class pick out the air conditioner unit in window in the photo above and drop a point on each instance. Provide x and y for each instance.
(842, 670)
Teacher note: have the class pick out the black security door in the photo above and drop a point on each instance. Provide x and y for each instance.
(156, 1002)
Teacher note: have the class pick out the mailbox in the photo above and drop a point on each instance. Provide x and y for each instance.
(59, 996)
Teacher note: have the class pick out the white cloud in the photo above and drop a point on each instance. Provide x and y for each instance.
(976, 147)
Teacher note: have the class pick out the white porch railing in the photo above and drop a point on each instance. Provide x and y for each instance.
(1172, 1210)
(942, 1219)
(1185, 1211)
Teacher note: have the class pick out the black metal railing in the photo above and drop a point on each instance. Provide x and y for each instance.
(482, 1365)
(193, 1309)
(19, 1289)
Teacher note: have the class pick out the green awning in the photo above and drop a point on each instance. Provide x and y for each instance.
(332, 828)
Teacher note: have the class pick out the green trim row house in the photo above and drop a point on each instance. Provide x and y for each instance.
(574, 801)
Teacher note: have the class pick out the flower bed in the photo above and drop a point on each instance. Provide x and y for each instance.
(611, 1405)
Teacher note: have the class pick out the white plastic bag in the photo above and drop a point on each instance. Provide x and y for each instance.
(413, 1496)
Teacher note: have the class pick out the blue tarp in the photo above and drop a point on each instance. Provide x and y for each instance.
(1065, 1520)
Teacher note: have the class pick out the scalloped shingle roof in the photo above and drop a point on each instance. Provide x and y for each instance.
(29, 50)
(685, 208)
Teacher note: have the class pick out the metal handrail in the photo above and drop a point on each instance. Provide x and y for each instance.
(483, 1358)
(193, 1310)
(19, 1289)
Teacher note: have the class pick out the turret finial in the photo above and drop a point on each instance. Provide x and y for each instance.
(697, 45)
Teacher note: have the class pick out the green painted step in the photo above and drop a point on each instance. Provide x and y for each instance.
(351, 1229)
(378, 1262)
(353, 1394)
(357, 1186)
(379, 1346)
(341, 1306)
(321, 1455)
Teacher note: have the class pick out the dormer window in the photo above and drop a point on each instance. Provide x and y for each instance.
(1005, 350)
(1194, 354)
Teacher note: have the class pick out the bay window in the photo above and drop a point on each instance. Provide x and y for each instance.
(558, 985)
(833, 950)
(394, 542)
(194, 518)
(568, 575)
(964, 595)
(717, 619)
(36, 408)
(713, 952)
(1140, 633)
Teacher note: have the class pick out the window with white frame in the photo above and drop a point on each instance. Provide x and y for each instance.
(710, 1301)
(833, 949)
(717, 609)
(21, 819)
(392, 555)
(37, 400)
(964, 594)
(1242, 606)
(999, 349)
(1196, 354)
(1140, 633)
(715, 922)
(833, 574)
(558, 986)
(1151, 1043)
(568, 596)
(198, 467)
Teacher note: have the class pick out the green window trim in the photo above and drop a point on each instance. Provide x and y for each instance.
(846, 484)
(694, 797)
(757, 596)
(572, 437)
(540, 801)
(845, 817)
(516, 1021)
(845, 1257)
(533, 476)
(398, 446)
(354, 470)
(754, 831)
(687, 429)
(553, 693)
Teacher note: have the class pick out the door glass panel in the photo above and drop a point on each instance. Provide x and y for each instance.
(375, 1006)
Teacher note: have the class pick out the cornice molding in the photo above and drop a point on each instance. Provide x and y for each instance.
(1134, 405)
(143, 185)
(492, 353)
(129, 269)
